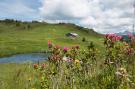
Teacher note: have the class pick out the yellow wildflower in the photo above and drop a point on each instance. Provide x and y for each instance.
(77, 61)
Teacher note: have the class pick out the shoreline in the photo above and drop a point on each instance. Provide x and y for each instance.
(9, 55)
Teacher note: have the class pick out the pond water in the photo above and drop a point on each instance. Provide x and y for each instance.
(21, 58)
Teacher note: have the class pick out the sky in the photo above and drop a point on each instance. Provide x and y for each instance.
(104, 16)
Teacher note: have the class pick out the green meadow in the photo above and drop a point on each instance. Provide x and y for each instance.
(33, 37)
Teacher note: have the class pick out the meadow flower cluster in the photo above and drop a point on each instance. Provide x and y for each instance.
(36, 66)
(76, 68)
(113, 37)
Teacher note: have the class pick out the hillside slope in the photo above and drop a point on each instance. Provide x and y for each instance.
(18, 37)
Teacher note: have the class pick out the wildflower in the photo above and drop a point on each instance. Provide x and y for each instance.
(77, 61)
(55, 57)
(122, 72)
(126, 44)
(65, 49)
(50, 44)
(57, 47)
(110, 36)
(130, 36)
(43, 66)
(73, 47)
(35, 66)
(67, 59)
(113, 37)
(118, 37)
(130, 50)
(106, 35)
(77, 47)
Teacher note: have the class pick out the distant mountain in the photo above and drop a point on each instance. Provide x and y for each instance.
(125, 33)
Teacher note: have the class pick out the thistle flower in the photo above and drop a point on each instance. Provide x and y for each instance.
(65, 49)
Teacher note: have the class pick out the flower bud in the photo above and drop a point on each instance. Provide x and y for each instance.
(43, 66)
(50, 44)
(35, 66)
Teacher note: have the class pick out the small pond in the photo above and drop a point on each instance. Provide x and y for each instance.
(21, 58)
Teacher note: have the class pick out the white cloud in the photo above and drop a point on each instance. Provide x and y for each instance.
(67, 9)
(103, 15)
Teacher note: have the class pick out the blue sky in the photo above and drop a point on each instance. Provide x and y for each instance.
(104, 16)
(20, 9)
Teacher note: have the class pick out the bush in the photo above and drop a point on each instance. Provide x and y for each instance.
(83, 39)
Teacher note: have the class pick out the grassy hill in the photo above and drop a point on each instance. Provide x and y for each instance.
(23, 37)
